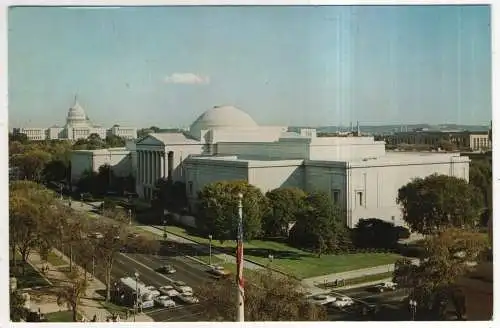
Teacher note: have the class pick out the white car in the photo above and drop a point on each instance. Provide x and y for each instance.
(181, 287)
(322, 299)
(165, 301)
(218, 270)
(188, 298)
(169, 291)
(388, 285)
(343, 302)
(153, 291)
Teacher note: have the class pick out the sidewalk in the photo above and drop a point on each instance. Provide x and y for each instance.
(89, 305)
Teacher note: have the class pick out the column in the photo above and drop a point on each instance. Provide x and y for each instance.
(138, 173)
(162, 164)
(150, 167)
(165, 173)
(143, 167)
(155, 167)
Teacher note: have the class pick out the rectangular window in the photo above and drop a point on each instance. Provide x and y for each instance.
(190, 186)
(359, 196)
(336, 196)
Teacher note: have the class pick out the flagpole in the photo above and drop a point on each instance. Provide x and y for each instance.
(239, 263)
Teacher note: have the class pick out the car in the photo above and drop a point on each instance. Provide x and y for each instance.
(96, 235)
(133, 235)
(188, 298)
(388, 285)
(153, 291)
(322, 299)
(168, 291)
(342, 302)
(165, 301)
(218, 270)
(181, 287)
(166, 269)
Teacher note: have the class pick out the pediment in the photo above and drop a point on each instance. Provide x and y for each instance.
(150, 140)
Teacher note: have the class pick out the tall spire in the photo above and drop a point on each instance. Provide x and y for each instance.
(76, 98)
(358, 132)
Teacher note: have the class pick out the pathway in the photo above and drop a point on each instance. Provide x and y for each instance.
(90, 303)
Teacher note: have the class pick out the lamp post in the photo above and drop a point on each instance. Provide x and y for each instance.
(129, 216)
(271, 258)
(136, 274)
(165, 229)
(210, 249)
(413, 308)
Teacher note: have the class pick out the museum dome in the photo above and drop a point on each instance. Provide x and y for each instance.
(221, 117)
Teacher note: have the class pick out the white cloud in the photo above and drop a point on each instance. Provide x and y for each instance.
(187, 78)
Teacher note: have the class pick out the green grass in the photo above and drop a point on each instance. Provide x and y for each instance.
(55, 260)
(231, 267)
(298, 263)
(62, 316)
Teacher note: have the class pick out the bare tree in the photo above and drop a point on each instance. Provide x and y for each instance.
(71, 294)
(107, 248)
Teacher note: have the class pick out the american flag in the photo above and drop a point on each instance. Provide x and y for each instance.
(239, 260)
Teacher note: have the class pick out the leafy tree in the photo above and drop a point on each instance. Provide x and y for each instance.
(113, 141)
(439, 201)
(171, 195)
(17, 310)
(267, 298)
(72, 294)
(319, 226)
(32, 163)
(481, 176)
(55, 170)
(18, 137)
(219, 209)
(284, 206)
(375, 233)
(447, 256)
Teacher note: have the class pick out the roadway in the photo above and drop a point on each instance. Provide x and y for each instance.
(192, 273)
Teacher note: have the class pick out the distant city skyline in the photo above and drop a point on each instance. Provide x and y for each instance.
(296, 66)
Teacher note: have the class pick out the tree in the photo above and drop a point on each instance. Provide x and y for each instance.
(439, 201)
(72, 294)
(107, 248)
(19, 137)
(113, 141)
(30, 205)
(481, 176)
(267, 298)
(447, 256)
(218, 209)
(18, 311)
(375, 233)
(32, 163)
(171, 195)
(284, 206)
(55, 170)
(319, 225)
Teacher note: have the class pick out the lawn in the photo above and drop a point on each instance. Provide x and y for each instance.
(298, 263)
(217, 261)
(360, 280)
(114, 308)
(55, 260)
(31, 278)
(62, 316)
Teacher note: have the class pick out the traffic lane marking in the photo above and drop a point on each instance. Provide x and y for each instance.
(146, 267)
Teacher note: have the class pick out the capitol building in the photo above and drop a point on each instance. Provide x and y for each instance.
(78, 126)
(225, 143)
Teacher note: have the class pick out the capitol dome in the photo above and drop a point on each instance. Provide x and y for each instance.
(76, 115)
(221, 117)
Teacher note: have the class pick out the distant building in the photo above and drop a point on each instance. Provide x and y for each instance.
(78, 126)
(470, 140)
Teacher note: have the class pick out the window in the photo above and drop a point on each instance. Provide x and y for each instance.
(359, 196)
(190, 186)
(336, 196)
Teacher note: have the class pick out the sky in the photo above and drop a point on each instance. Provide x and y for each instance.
(303, 65)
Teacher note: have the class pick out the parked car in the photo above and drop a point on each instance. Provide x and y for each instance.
(165, 301)
(181, 287)
(153, 291)
(166, 269)
(188, 298)
(342, 302)
(388, 285)
(322, 299)
(169, 291)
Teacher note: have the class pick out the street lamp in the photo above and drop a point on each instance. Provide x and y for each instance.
(413, 308)
(129, 216)
(271, 258)
(165, 229)
(210, 249)
(136, 274)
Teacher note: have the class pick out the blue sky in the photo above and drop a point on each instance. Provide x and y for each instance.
(310, 65)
